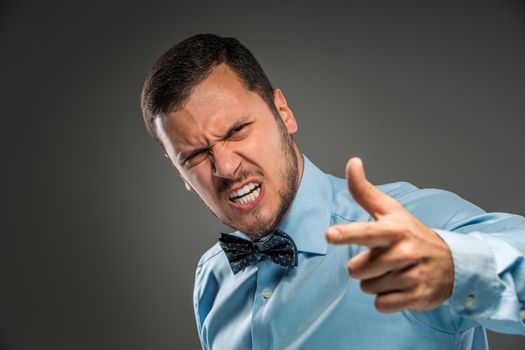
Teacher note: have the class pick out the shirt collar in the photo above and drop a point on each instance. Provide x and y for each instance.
(310, 213)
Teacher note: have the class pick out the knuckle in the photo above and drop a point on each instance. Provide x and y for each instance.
(400, 231)
(351, 268)
(407, 253)
(381, 305)
(419, 276)
(395, 229)
(378, 303)
(419, 296)
(366, 287)
(368, 232)
(413, 276)
(419, 301)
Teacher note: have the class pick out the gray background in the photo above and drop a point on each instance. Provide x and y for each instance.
(99, 238)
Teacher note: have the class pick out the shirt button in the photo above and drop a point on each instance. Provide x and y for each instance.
(267, 294)
(522, 314)
(469, 302)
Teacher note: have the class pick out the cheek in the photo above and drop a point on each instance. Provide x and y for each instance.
(262, 147)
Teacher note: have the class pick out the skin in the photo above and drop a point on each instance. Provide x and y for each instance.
(235, 139)
(408, 266)
(238, 140)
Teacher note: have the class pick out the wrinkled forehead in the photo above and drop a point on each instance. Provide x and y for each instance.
(179, 132)
(214, 105)
(195, 124)
(184, 133)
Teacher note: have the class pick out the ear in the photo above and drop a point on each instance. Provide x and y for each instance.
(284, 111)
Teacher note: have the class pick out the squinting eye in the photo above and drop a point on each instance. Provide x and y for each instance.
(239, 132)
(239, 128)
(196, 158)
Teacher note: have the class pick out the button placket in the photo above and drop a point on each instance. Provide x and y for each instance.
(470, 302)
(268, 275)
(267, 293)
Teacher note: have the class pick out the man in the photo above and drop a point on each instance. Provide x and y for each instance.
(428, 270)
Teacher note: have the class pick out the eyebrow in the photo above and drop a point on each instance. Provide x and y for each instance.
(184, 156)
(231, 130)
(187, 155)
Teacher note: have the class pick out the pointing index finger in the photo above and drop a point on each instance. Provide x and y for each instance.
(369, 234)
(367, 195)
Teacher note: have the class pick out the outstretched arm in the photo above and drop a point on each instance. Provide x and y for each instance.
(477, 265)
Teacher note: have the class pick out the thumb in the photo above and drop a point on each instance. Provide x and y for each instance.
(367, 195)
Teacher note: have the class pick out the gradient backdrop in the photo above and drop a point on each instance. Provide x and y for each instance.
(100, 240)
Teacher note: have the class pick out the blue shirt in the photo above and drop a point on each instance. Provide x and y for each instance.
(316, 305)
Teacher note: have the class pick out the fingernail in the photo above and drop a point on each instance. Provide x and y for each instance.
(333, 233)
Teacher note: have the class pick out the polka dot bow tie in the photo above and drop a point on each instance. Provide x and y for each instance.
(277, 246)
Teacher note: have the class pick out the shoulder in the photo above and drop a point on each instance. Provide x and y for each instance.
(394, 189)
(347, 209)
(206, 283)
(213, 267)
(212, 264)
(435, 207)
(210, 255)
(440, 209)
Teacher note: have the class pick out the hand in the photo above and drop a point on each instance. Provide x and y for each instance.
(408, 266)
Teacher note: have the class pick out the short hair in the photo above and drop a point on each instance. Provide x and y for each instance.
(176, 72)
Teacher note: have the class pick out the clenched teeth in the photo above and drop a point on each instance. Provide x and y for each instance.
(247, 193)
(248, 198)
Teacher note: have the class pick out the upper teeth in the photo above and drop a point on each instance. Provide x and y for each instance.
(243, 190)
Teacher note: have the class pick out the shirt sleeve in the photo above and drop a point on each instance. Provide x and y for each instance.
(488, 251)
(489, 271)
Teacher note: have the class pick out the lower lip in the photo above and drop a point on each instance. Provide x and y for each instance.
(251, 204)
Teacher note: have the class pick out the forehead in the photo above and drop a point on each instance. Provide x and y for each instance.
(221, 88)
(213, 106)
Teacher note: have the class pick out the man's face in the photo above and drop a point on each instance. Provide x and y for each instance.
(228, 147)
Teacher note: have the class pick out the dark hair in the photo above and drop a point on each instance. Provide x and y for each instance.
(174, 75)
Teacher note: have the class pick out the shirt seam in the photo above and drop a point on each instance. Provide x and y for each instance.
(427, 325)
(496, 283)
(200, 264)
(402, 194)
(342, 217)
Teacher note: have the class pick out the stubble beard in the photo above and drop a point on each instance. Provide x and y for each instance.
(261, 226)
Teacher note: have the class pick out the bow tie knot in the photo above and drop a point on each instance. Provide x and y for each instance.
(277, 246)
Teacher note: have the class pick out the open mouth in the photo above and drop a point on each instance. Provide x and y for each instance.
(247, 193)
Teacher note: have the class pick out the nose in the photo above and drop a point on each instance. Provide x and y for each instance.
(225, 162)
